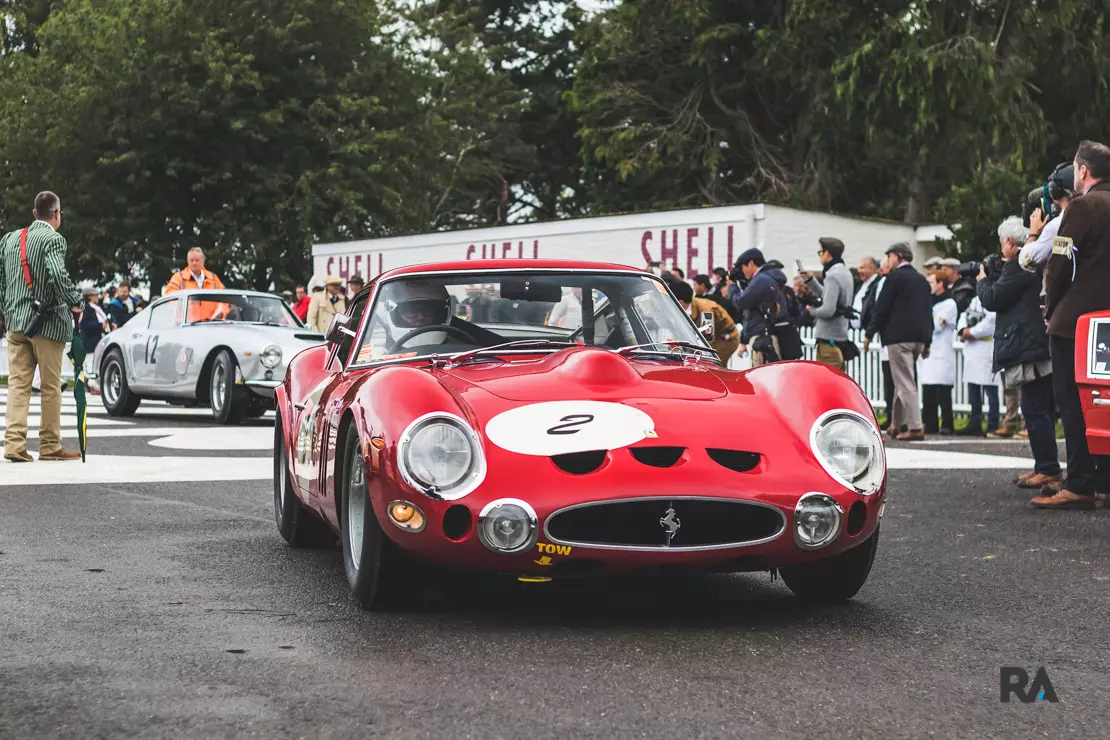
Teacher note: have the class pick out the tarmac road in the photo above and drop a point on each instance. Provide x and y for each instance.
(173, 609)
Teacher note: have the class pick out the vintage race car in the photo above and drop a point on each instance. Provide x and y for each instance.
(551, 419)
(226, 349)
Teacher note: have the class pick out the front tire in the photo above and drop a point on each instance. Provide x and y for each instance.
(297, 525)
(227, 399)
(115, 393)
(834, 579)
(375, 571)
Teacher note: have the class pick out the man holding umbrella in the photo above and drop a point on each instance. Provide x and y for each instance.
(37, 297)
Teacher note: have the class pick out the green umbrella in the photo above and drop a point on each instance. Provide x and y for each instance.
(77, 355)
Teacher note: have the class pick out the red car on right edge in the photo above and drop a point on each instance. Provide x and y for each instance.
(1092, 375)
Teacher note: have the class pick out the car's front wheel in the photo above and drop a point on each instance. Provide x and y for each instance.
(375, 570)
(296, 524)
(833, 579)
(118, 398)
(227, 399)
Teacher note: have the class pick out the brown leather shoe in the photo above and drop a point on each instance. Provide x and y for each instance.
(913, 435)
(1040, 481)
(1065, 499)
(60, 454)
(1052, 488)
(1024, 477)
(1001, 433)
(19, 457)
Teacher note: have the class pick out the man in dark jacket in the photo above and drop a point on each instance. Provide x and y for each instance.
(763, 297)
(903, 318)
(1077, 282)
(122, 306)
(1021, 350)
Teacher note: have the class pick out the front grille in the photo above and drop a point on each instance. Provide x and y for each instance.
(660, 523)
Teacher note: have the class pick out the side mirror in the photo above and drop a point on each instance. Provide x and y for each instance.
(337, 330)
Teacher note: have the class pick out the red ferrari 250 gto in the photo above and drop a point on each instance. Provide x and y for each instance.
(553, 419)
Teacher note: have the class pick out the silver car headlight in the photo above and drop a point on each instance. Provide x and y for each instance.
(508, 525)
(849, 448)
(817, 519)
(270, 356)
(441, 455)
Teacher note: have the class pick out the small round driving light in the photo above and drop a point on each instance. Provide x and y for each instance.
(270, 356)
(817, 520)
(406, 516)
(507, 525)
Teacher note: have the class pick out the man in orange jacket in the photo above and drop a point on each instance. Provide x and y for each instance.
(196, 277)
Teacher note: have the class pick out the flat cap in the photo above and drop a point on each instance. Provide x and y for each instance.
(933, 262)
(902, 250)
(950, 262)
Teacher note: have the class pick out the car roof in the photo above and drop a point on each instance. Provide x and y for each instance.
(218, 291)
(509, 264)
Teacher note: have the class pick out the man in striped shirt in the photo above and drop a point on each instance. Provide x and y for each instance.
(40, 275)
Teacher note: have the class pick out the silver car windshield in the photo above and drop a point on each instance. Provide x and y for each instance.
(421, 315)
(240, 308)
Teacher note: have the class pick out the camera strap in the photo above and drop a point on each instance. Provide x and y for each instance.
(23, 258)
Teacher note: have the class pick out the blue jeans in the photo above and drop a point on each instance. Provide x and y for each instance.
(1039, 409)
(975, 395)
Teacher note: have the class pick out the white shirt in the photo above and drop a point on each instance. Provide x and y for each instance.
(566, 313)
(198, 280)
(857, 302)
(1036, 254)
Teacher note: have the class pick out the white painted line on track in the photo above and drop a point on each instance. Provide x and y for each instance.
(124, 469)
(901, 458)
(219, 438)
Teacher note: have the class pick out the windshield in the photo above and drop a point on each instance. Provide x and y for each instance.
(422, 315)
(240, 309)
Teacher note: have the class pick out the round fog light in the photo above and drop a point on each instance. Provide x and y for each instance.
(817, 519)
(507, 525)
(406, 516)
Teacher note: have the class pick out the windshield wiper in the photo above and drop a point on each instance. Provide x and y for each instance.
(674, 347)
(469, 355)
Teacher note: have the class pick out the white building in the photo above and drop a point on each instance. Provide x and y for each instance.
(696, 240)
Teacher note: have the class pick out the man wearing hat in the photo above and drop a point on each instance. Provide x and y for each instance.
(931, 265)
(355, 285)
(326, 304)
(903, 317)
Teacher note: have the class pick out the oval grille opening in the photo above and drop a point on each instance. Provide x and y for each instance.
(666, 523)
(857, 517)
(737, 460)
(657, 457)
(580, 463)
(456, 522)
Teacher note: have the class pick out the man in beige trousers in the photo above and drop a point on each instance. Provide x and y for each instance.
(32, 269)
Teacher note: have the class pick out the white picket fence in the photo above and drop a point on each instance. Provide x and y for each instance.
(866, 370)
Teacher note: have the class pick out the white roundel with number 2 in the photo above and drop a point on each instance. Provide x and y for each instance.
(562, 427)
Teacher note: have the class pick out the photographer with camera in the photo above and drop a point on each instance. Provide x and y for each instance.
(1041, 214)
(832, 308)
(1076, 280)
(1021, 348)
(38, 299)
(768, 320)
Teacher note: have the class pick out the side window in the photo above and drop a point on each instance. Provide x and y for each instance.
(165, 315)
(355, 312)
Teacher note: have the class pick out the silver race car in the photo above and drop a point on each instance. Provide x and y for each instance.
(226, 349)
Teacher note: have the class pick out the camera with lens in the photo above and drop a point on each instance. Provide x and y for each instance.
(970, 270)
(1058, 185)
(38, 310)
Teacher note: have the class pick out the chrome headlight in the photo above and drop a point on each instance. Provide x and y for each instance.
(507, 525)
(441, 455)
(270, 356)
(850, 449)
(817, 519)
